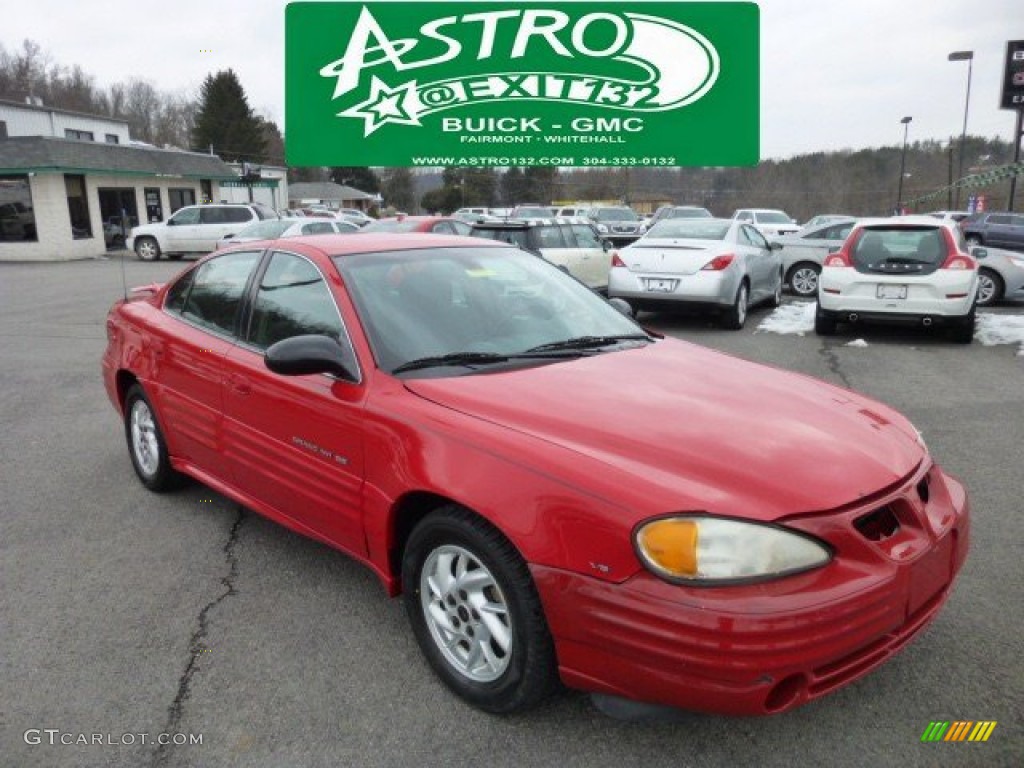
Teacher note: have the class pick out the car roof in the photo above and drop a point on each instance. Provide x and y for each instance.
(524, 223)
(383, 242)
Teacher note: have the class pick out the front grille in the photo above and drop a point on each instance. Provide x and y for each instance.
(878, 525)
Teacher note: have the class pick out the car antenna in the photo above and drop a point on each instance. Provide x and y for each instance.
(124, 279)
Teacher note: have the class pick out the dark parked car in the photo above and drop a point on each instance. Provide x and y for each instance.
(1000, 230)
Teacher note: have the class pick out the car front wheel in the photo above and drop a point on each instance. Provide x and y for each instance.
(147, 249)
(803, 279)
(990, 287)
(475, 612)
(146, 444)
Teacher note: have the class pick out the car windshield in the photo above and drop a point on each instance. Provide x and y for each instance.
(690, 229)
(686, 213)
(773, 217)
(614, 214)
(904, 245)
(481, 301)
(266, 230)
(532, 213)
(394, 225)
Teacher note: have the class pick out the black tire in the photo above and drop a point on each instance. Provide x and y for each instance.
(803, 279)
(962, 332)
(735, 317)
(825, 322)
(528, 675)
(991, 293)
(776, 298)
(149, 457)
(147, 249)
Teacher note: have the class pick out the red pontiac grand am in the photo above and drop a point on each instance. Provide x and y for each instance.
(557, 493)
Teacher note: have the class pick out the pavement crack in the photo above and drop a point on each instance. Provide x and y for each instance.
(828, 352)
(197, 642)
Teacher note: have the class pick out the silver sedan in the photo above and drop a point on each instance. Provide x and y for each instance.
(724, 265)
(272, 229)
(1000, 274)
(804, 252)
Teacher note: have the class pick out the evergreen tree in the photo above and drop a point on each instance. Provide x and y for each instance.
(226, 121)
(359, 177)
(398, 190)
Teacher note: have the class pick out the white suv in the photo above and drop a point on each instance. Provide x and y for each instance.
(913, 270)
(194, 229)
(768, 221)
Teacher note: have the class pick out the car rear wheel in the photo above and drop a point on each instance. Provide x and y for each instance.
(824, 322)
(990, 287)
(736, 316)
(146, 444)
(803, 280)
(147, 249)
(963, 331)
(475, 612)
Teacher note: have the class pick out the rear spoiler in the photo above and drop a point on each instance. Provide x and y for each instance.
(150, 288)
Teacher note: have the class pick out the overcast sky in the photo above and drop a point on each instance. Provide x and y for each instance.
(834, 73)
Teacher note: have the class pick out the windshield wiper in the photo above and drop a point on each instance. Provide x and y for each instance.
(475, 358)
(590, 342)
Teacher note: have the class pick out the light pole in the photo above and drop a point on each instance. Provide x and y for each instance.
(903, 164)
(967, 56)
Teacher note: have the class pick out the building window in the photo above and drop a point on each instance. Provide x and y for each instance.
(179, 197)
(71, 133)
(3, 129)
(78, 207)
(112, 138)
(17, 217)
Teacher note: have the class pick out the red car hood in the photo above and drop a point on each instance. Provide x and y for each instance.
(686, 428)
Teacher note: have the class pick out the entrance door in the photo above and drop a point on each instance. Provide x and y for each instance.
(119, 213)
(154, 208)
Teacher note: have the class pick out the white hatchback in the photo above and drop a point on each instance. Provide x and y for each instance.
(910, 269)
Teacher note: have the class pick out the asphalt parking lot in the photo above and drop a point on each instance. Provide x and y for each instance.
(125, 613)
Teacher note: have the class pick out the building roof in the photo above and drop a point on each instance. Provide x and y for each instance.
(325, 190)
(43, 108)
(44, 154)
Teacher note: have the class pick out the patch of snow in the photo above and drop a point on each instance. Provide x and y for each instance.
(857, 343)
(995, 329)
(789, 319)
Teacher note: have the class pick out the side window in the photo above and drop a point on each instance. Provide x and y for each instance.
(293, 300)
(176, 295)
(317, 228)
(585, 236)
(837, 232)
(549, 237)
(217, 289)
(443, 228)
(745, 216)
(756, 238)
(186, 216)
(461, 228)
(1017, 221)
(238, 215)
(997, 219)
(212, 215)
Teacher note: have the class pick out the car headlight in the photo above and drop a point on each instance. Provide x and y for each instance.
(700, 549)
(602, 228)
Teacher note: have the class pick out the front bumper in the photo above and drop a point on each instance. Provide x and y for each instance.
(769, 647)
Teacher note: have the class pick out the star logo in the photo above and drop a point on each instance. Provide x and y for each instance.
(386, 105)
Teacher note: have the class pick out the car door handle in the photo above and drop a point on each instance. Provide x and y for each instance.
(240, 386)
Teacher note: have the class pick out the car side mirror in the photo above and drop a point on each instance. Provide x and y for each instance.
(775, 245)
(834, 249)
(622, 306)
(979, 253)
(314, 353)
(172, 223)
(606, 245)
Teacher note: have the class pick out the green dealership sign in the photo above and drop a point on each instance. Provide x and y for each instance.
(522, 83)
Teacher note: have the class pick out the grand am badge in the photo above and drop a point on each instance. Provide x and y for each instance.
(428, 83)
